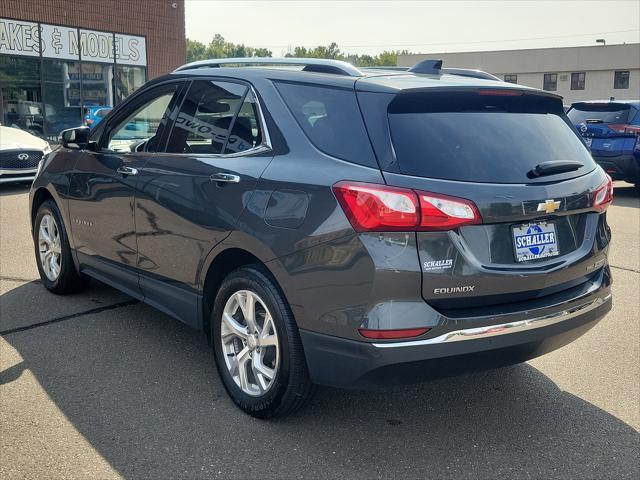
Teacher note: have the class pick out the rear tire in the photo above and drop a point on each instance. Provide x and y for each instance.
(53, 252)
(257, 347)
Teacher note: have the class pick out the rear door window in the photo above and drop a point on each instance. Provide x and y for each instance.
(615, 113)
(205, 117)
(331, 119)
(481, 140)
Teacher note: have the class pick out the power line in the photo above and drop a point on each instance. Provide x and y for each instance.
(387, 45)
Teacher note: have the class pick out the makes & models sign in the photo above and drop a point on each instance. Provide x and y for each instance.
(18, 37)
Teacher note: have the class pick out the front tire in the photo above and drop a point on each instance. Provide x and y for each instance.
(257, 347)
(53, 252)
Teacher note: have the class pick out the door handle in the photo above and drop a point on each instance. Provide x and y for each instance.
(127, 171)
(225, 177)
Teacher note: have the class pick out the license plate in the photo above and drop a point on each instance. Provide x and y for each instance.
(588, 141)
(534, 241)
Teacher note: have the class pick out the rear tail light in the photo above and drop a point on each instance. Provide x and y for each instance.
(392, 334)
(440, 212)
(374, 208)
(378, 207)
(603, 195)
(89, 121)
(623, 128)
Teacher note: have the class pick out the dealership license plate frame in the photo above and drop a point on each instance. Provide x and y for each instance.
(525, 254)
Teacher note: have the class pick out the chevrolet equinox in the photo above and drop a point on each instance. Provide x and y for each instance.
(324, 224)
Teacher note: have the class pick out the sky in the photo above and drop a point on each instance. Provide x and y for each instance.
(418, 26)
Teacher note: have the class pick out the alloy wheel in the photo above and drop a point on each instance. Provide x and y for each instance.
(250, 343)
(49, 247)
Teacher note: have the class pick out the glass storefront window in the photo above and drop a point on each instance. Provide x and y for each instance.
(61, 90)
(128, 79)
(20, 98)
(97, 79)
(51, 81)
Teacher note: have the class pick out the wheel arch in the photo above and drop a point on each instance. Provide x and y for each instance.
(222, 265)
(40, 196)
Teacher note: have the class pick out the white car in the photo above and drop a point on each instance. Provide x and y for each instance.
(20, 153)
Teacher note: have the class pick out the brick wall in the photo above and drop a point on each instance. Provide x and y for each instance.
(157, 20)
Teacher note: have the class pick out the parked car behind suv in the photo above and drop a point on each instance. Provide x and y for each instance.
(330, 225)
(612, 130)
(95, 115)
(20, 154)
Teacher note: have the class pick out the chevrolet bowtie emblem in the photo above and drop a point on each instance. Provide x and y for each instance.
(549, 206)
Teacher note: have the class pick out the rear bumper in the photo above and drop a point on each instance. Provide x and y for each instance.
(621, 167)
(351, 364)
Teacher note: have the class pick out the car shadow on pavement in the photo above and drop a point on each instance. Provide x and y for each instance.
(14, 189)
(142, 389)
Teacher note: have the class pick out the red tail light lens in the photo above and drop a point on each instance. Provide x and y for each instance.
(441, 212)
(374, 208)
(392, 334)
(604, 195)
(623, 128)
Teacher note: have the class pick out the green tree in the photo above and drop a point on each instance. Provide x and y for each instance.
(220, 48)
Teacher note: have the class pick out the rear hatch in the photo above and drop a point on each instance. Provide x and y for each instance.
(607, 127)
(512, 155)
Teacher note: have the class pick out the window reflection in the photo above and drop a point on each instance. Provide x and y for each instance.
(128, 79)
(20, 95)
(62, 104)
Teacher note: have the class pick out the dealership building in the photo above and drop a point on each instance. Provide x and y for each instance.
(576, 73)
(59, 58)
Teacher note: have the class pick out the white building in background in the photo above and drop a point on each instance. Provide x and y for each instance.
(576, 73)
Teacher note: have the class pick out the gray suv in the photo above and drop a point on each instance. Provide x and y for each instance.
(323, 224)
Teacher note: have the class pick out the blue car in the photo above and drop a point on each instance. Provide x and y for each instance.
(611, 129)
(95, 115)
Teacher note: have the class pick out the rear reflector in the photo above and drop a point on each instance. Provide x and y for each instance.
(375, 208)
(604, 195)
(392, 334)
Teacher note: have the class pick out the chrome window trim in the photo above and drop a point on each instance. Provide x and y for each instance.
(488, 331)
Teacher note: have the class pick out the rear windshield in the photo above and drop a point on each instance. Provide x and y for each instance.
(494, 145)
(599, 113)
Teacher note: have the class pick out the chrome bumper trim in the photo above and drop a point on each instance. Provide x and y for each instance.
(502, 328)
(17, 179)
(17, 171)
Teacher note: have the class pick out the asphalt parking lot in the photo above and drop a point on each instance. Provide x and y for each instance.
(99, 386)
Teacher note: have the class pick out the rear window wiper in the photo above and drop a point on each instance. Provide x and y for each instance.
(553, 167)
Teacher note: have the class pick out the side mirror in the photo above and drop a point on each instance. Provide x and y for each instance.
(76, 138)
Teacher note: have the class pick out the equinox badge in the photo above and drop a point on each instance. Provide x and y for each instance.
(465, 289)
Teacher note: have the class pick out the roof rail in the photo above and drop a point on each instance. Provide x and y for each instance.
(321, 65)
